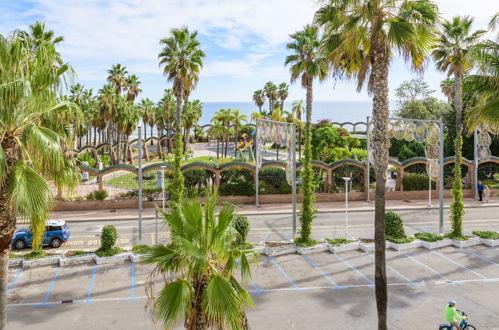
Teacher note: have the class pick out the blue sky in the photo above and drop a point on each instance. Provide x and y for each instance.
(244, 41)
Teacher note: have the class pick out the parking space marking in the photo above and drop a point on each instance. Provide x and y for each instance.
(132, 296)
(90, 287)
(426, 266)
(283, 272)
(409, 281)
(354, 269)
(479, 256)
(11, 285)
(49, 291)
(330, 280)
(456, 263)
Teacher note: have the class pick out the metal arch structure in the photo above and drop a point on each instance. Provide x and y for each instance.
(481, 150)
(258, 164)
(440, 161)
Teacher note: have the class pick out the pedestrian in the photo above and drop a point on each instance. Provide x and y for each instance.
(486, 193)
(480, 187)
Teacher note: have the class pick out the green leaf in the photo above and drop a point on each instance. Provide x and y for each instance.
(222, 304)
(400, 31)
(3, 164)
(190, 248)
(173, 301)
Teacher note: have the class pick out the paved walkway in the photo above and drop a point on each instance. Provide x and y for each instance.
(327, 207)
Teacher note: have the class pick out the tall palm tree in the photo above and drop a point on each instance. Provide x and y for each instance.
(147, 110)
(282, 93)
(256, 115)
(360, 37)
(447, 87)
(117, 76)
(132, 86)
(33, 145)
(193, 110)
(217, 130)
(306, 63)
(205, 293)
(182, 58)
(224, 116)
(270, 91)
(237, 119)
(107, 108)
(259, 99)
(297, 109)
(453, 56)
(39, 37)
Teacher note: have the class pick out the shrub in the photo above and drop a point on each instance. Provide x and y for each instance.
(242, 226)
(37, 254)
(487, 234)
(98, 195)
(108, 253)
(273, 181)
(338, 241)
(429, 237)
(237, 182)
(413, 181)
(402, 240)
(108, 238)
(141, 249)
(394, 226)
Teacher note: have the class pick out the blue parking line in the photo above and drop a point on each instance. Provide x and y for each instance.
(410, 282)
(11, 286)
(132, 296)
(462, 266)
(354, 269)
(283, 272)
(49, 291)
(90, 287)
(336, 286)
(425, 266)
(481, 257)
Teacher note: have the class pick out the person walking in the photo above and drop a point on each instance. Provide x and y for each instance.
(480, 187)
(486, 193)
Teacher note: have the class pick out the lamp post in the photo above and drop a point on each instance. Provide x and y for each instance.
(139, 131)
(163, 167)
(429, 185)
(346, 178)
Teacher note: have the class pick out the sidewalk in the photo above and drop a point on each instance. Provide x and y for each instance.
(269, 209)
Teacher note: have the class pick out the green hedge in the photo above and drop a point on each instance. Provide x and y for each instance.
(273, 181)
(237, 182)
(412, 181)
(429, 237)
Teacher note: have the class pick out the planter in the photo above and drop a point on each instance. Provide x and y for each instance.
(15, 262)
(259, 249)
(438, 244)
(284, 248)
(76, 260)
(137, 257)
(344, 247)
(469, 242)
(52, 260)
(366, 247)
(486, 241)
(116, 258)
(412, 245)
(321, 247)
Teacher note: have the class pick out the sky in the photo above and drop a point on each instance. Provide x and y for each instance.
(244, 41)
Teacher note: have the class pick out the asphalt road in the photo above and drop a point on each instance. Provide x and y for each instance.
(86, 235)
(317, 291)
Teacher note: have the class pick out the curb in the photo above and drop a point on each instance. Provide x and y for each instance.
(324, 211)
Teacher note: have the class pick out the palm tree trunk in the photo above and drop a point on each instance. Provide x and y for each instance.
(160, 149)
(178, 178)
(125, 152)
(228, 139)
(118, 149)
(95, 136)
(145, 130)
(152, 133)
(218, 147)
(110, 143)
(380, 58)
(236, 141)
(198, 319)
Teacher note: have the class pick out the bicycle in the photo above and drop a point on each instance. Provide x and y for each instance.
(464, 325)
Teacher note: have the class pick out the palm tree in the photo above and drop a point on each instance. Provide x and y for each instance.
(360, 37)
(297, 109)
(447, 87)
(270, 91)
(259, 99)
(237, 119)
(217, 129)
(107, 108)
(117, 77)
(193, 110)
(453, 56)
(132, 86)
(307, 63)
(205, 293)
(33, 140)
(282, 93)
(256, 115)
(147, 110)
(182, 58)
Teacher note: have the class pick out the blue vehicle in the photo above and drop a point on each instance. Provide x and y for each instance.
(56, 233)
(463, 325)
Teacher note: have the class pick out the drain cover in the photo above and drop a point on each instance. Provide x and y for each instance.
(67, 301)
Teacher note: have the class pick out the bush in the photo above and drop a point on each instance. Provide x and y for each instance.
(141, 249)
(338, 241)
(242, 226)
(237, 182)
(108, 238)
(429, 237)
(97, 195)
(402, 240)
(273, 181)
(487, 234)
(35, 254)
(108, 253)
(413, 181)
(394, 226)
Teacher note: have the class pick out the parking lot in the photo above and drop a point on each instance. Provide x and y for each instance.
(281, 287)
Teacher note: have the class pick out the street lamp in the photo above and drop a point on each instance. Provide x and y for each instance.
(163, 167)
(346, 178)
(139, 132)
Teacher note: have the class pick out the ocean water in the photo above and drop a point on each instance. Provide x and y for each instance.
(334, 111)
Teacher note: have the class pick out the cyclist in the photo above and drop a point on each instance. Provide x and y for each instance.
(451, 314)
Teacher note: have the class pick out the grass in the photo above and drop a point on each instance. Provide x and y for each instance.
(206, 159)
(309, 243)
(76, 253)
(109, 253)
(338, 241)
(429, 237)
(15, 255)
(129, 180)
(487, 234)
(457, 238)
(35, 255)
(141, 249)
(398, 240)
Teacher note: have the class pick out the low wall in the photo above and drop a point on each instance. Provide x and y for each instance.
(264, 199)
